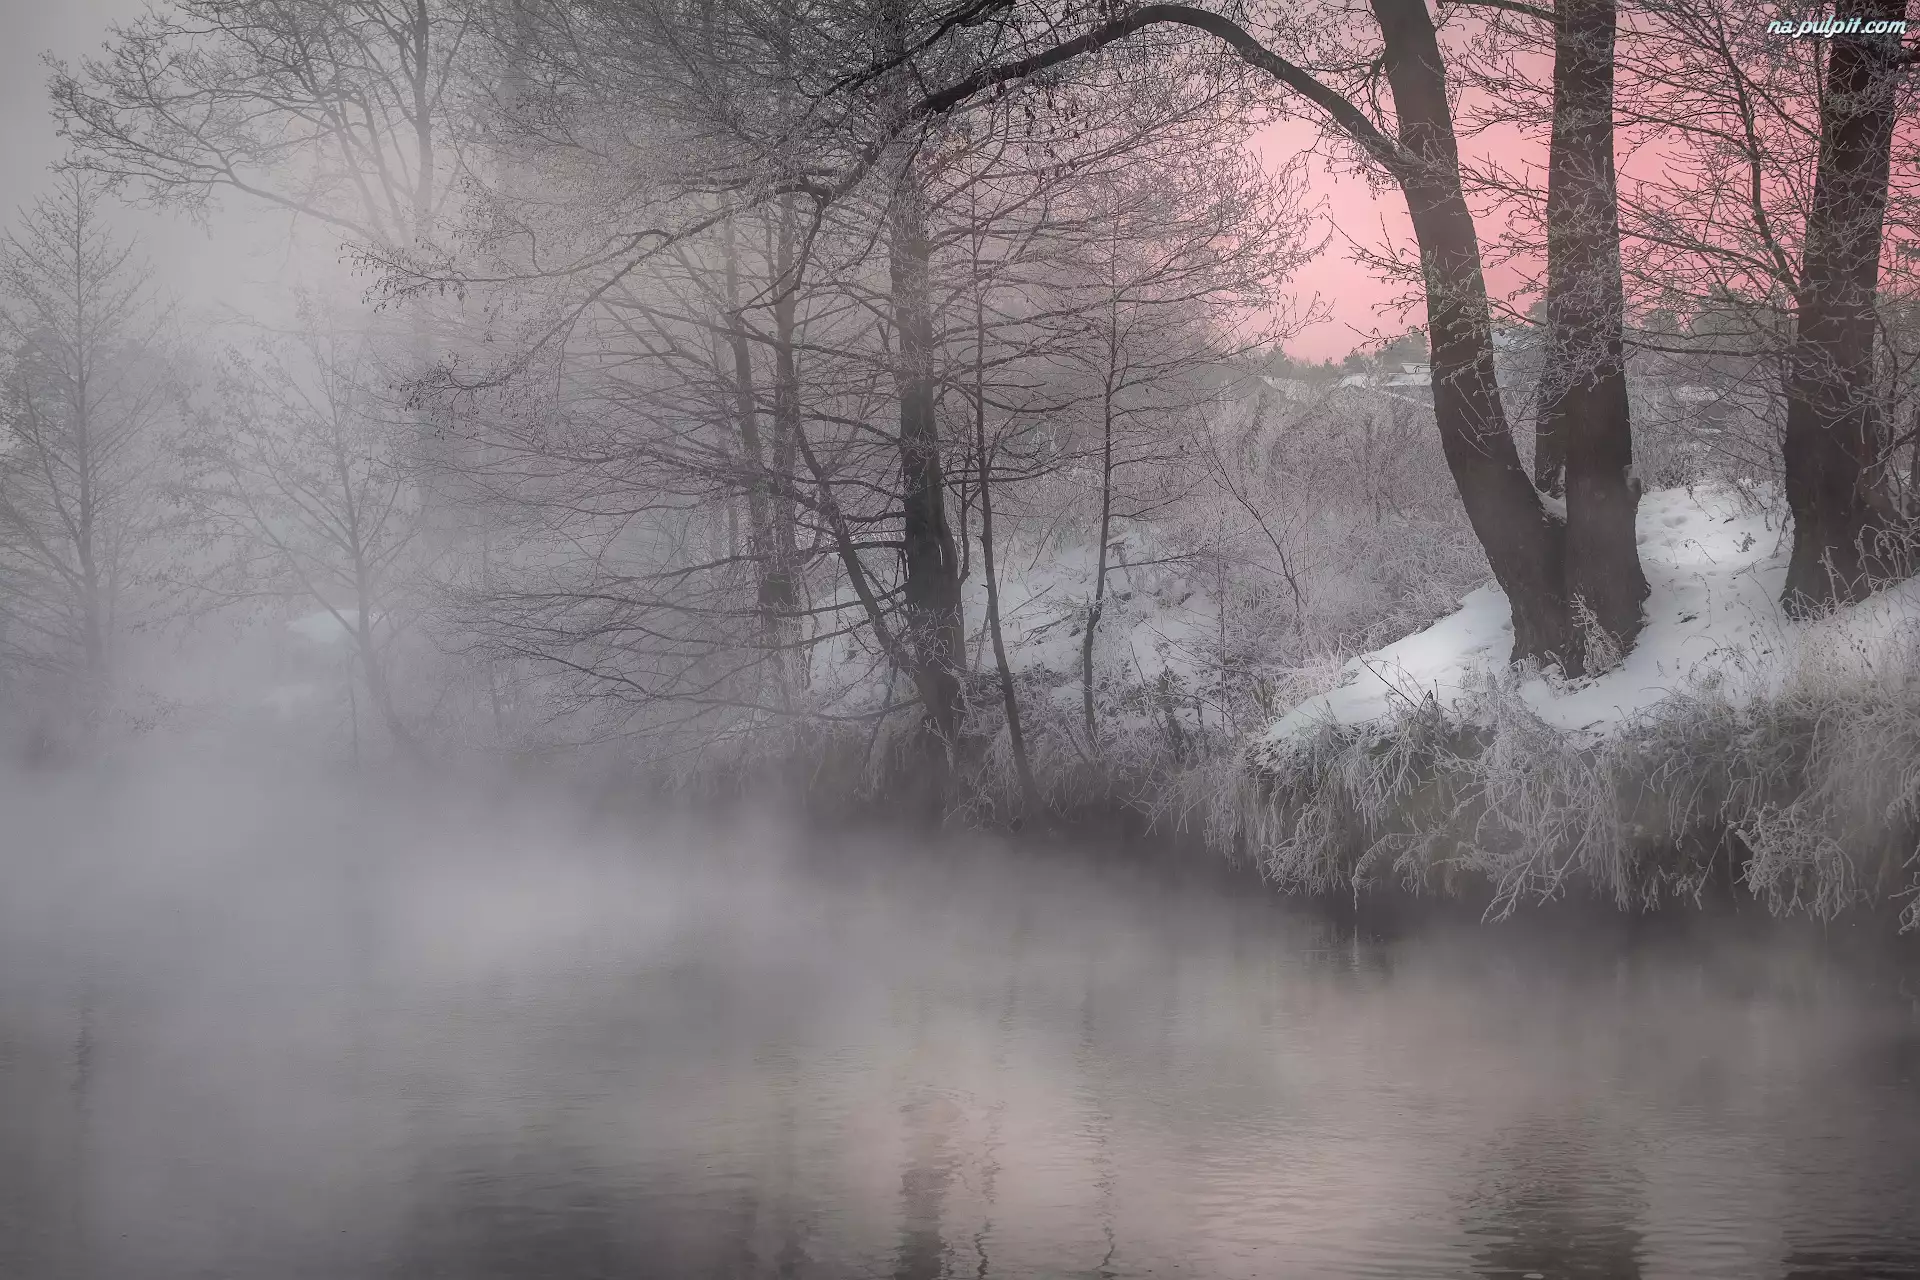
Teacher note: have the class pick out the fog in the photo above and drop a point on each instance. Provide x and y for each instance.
(254, 1025)
(726, 640)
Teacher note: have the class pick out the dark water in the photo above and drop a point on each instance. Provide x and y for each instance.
(294, 1036)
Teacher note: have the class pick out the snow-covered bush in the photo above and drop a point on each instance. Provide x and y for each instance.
(1731, 745)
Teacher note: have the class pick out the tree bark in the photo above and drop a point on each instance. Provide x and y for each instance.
(771, 594)
(1009, 697)
(1835, 484)
(934, 631)
(932, 563)
(1099, 602)
(783, 579)
(1585, 439)
(1524, 544)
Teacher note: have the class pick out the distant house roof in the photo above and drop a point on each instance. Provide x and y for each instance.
(1409, 375)
(1293, 389)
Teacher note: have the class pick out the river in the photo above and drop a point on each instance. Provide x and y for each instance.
(276, 1034)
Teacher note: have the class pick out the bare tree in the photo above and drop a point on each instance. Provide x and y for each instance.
(1835, 435)
(1771, 226)
(735, 379)
(338, 111)
(298, 483)
(87, 387)
(1525, 543)
(1160, 292)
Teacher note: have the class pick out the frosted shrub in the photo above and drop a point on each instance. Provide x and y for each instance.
(1810, 795)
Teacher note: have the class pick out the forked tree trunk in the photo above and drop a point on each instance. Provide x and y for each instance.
(1835, 484)
(1585, 443)
(1524, 544)
(932, 585)
(934, 634)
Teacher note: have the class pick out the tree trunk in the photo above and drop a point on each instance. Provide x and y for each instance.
(373, 668)
(1835, 486)
(1585, 442)
(932, 564)
(1524, 544)
(783, 586)
(898, 654)
(769, 586)
(93, 641)
(1016, 738)
(1099, 602)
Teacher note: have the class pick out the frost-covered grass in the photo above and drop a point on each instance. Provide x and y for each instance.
(1808, 798)
(1781, 757)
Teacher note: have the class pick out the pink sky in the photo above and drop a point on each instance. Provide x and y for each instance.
(1360, 303)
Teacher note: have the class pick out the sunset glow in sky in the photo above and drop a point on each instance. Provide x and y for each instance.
(1364, 309)
(1360, 305)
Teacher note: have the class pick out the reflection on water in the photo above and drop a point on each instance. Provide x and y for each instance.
(481, 1045)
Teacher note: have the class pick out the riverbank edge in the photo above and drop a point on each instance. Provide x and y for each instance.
(1806, 802)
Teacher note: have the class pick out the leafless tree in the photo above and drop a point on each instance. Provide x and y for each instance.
(1338, 75)
(1777, 220)
(298, 485)
(88, 390)
(338, 111)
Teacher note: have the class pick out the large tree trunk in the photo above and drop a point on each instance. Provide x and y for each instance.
(1585, 441)
(1524, 544)
(1835, 486)
(934, 633)
(932, 563)
(783, 583)
(771, 593)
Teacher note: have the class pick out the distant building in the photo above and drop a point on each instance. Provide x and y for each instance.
(1407, 380)
(1293, 390)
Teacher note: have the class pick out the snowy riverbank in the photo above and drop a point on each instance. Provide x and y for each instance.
(1715, 562)
(1732, 747)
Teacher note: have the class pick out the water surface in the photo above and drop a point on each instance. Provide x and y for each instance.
(294, 1034)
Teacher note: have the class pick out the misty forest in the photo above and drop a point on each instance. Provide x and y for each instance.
(831, 638)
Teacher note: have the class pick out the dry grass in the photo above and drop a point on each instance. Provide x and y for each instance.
(1808, 799)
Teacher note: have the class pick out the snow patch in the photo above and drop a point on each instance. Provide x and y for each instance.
(1715, 564)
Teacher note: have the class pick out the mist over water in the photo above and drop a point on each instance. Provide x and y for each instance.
(250, 1027)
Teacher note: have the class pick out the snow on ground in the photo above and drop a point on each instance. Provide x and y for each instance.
(1715, 563)
(1153, 620)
